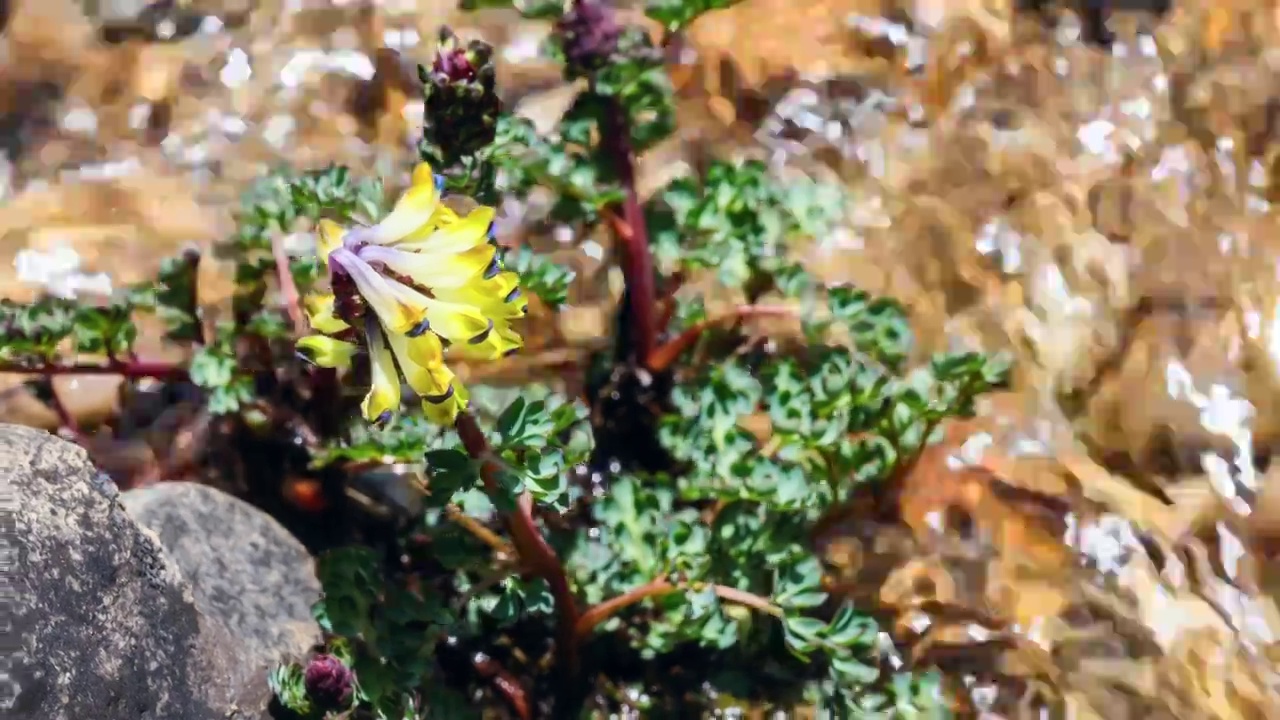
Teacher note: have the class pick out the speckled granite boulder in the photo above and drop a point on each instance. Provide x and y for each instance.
(100, 622)
(246, 570)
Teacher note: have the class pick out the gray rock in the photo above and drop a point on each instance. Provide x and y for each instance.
(95, 620)
(246, 570)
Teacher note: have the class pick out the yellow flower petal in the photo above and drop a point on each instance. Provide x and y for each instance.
(383, 400)
(445, 215)
(457, 323)
(501, 342)
(455, 237)
(425, 350)
(328, 238)
(422, 361)
(401, 309)
(442, 217)
(497, 297)
(445, 412)
(325, 351)
(435, 270)
(320, 313)
(411, 212)
(423, 175)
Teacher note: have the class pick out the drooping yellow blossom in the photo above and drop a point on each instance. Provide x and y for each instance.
(422, 283)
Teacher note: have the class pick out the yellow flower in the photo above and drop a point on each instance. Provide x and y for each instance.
(422, 283)
(326, 351)
(329, 238)
(322, 316)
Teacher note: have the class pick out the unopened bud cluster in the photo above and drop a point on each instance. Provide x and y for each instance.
(589, 33)
(462, 104)
(329, 682)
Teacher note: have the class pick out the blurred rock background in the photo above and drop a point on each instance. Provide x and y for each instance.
(1101, 538)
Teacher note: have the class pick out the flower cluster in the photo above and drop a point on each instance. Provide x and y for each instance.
(424, 280)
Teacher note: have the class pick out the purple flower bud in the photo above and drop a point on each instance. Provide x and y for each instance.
(330, 684)
(589, 33)
(453, 65)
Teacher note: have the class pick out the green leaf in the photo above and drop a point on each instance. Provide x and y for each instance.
(803, 634)
(350, 582)
(518, 599)
(175, 297)
(849, 628)
(540, 276)
(545, 475)
(509, 485)
(216, 369)
(455, 548)
(854, 671)
(800, 586)
(676, 14)
(735, 220)
(211, 369)
(474, 503)
(404, 440)
(288, 684)
(531, 9)
(522, 422)
(269, 324)
(451, 471)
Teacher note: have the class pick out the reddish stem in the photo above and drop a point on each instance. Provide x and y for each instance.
(288, 288)
(637, 261)
(125, 368)
(505, 684)
(536, 554)
(663, 357)
(607, 609)
(596, 615)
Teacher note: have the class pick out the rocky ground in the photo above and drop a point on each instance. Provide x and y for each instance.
(116, 625)
(1104, 532)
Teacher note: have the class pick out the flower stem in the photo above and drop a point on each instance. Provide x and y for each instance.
(658, 588)
(288, 288)
(156, 369)
(665, 355)
(637, 260)
(536, 554)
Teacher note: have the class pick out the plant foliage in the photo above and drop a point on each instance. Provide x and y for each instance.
(702, 570)
(674, 587)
